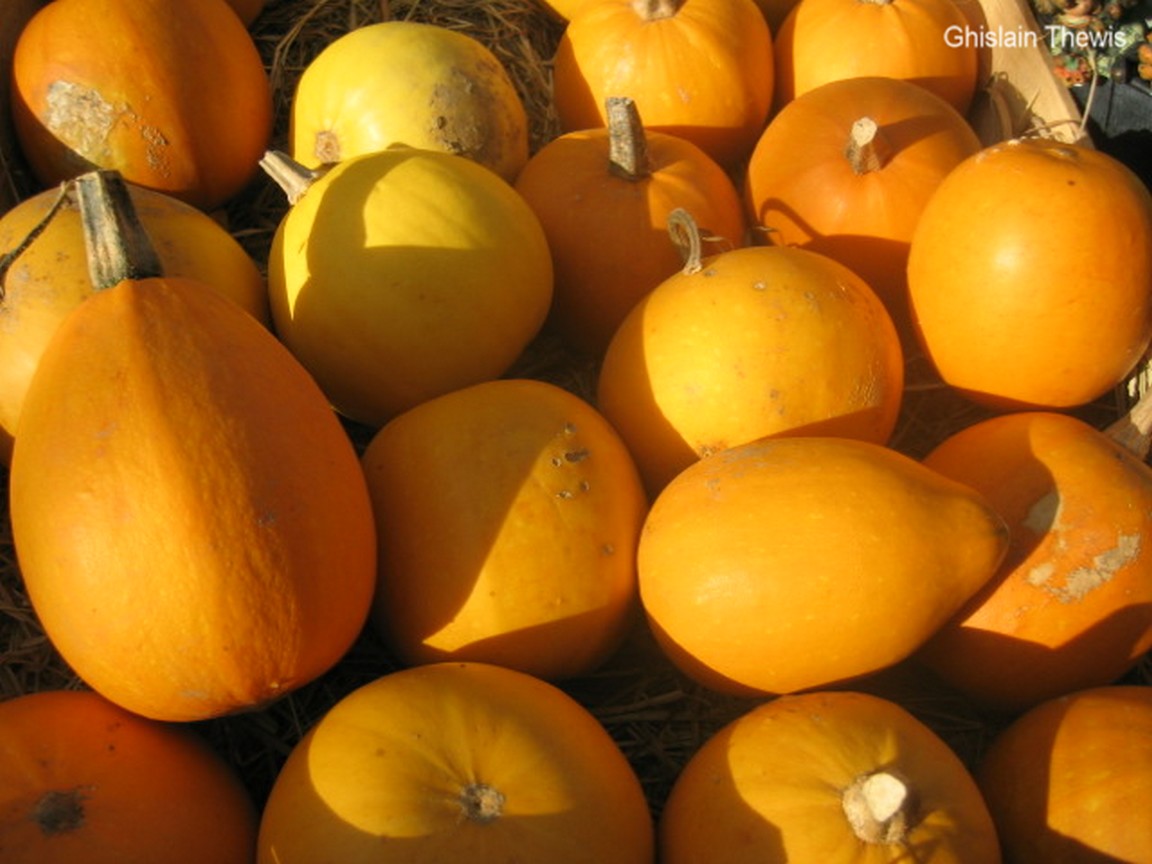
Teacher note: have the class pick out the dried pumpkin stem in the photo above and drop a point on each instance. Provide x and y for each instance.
(652, 10)
(293, 178)
(1134, 430)
(867, 149)
(481, 803)
(627, 142)
(879, 807)
(685, 233)
(115, 242)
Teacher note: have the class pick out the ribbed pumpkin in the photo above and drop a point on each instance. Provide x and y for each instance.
(603, 197)
(190, 518)
(82, 781)
(48, 277)
(174, 96)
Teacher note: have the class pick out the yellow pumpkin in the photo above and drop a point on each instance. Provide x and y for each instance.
(507, 515)
(403, 274)
(792, 563)
(412, 83)
(456, 762)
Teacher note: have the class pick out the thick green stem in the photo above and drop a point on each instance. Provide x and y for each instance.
(115, 242)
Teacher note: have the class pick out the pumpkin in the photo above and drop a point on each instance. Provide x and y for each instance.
(838, 777)
(1071, 606)
(411, 83)
(82, 781)
(747, 343)
(507, 515)
(603, 197)
(792, 563)
(1068, 782)
(456, 762)
(1013, 314)
(404, 274)
(829, 40)
(248, 10)
(46, 276)
(173, 96)
(845, 170)
(698, 69)
(190, 518)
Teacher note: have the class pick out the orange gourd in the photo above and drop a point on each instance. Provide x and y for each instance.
(82, 781)
(1014, 314)
(189, 516)
(603, 197)
(747, 343)
(1069, 781)
(456, 762)
(845, 170)
(913, 40)
(174, 96)
(698, 69)
(792, 563)
(507, 514)
(835, 777)
(45, 276)
(1071, 607)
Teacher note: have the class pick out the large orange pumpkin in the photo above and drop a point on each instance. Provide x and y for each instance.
(829, 777)
(172, 95)
(1015, 314)
(190, 518)
(456, 762)
(792, 563)
(82, 781)
(698, 69)
(507, 514)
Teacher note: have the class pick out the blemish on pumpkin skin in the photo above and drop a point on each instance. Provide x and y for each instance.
(59, 812)
(1082, 581)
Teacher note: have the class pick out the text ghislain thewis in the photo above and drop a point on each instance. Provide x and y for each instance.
(1056, 36)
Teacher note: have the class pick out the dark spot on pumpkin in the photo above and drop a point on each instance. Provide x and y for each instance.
(60, 812)
(577, 455)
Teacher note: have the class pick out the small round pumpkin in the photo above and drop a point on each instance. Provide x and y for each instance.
(1013, 314)
(1069, 781)
(836, 777)
(507, 514)
(174, 96)
(82, 781)
(412, 83)
(762, 340)
(456, 762)
(791, 563)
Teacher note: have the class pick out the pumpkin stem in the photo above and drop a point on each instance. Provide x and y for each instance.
(1134, 430)
(879, 807)
(653, 10)
(627, 143)
(685, 233)
(115, 242)
(481, 803)
(292, 177)
(867, 149)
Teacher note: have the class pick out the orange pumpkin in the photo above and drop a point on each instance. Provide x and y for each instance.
(248, 10)
(1069, 781)
(190, 518)
(1014, 314)
(172, 95)
(697, 69)
(49, 277)
(792, 563)
(82, 781)
(834, 777)
(845, 170)
(507, 514)
(829, 40)
(603, 197)
(1071, 607)
(746, 343)
(456, 762)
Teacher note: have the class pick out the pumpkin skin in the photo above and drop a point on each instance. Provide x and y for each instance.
(82, 781)
(410, 83)
(830, 40)
(1012, 315)
(811, 183)
(792, 563)
(507, 515)
(1068, 782)
(714, 55)
(1071, 606)
(456, 762)
(759, 341)
(181, 105)
(50, 278)
(606, 223)
(248, 10)
(465, 264)
(777, 784)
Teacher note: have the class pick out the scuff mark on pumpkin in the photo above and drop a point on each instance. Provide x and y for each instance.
(59, 812)
(81, 117)
(1082, 581)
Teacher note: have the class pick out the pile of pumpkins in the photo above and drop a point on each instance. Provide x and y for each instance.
(752, 224)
